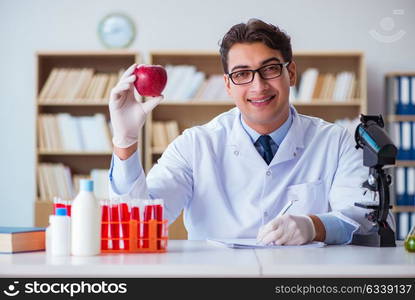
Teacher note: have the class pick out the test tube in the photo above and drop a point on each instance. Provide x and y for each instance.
(158, 215)
(153, 210)
(148, 214)
(135, 215)
(106, 243)
(125, 227)
(69, 207)
(115, 223)
(57, 203)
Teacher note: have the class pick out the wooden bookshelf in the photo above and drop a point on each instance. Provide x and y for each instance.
(393, 116)
(80, 162)
(404, 209)
(200, 111)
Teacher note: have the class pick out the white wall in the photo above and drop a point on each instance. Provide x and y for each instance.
(29, 26)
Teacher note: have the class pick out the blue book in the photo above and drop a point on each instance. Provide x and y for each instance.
(21, 239)
(403, 225)
(400, 186)
(412, 152)
(406, 141)
(411, 95)
(405, 83)
(397, 95)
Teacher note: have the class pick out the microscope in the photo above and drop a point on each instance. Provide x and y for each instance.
(378, 152)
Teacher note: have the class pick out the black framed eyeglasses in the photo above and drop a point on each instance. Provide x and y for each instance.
(265, 72)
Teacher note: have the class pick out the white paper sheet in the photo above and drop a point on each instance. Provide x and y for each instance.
(252, 244)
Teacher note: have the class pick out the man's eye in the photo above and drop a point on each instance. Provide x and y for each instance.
(271, 69)
(242, 74)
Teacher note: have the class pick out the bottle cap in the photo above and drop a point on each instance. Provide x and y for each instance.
(61, 211)
(87, 185)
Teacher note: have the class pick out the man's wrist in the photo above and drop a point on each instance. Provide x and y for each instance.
(319, 229)
(125, 153)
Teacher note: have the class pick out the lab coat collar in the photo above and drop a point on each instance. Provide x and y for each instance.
(240, 141)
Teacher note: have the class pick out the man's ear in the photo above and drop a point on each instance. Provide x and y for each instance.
(227, 84)
(292, 72)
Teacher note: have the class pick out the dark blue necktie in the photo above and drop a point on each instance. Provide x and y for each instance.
(265, 142)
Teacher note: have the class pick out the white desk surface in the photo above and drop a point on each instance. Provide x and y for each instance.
(182, 259)
(338, 261)
(201, 259)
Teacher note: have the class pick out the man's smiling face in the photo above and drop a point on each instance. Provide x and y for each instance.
(264, 104)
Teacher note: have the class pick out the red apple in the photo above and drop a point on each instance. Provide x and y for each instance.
(151, 80)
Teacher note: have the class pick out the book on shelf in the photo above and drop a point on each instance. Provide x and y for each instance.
(76, 85)
(186, 83)
(405, 221)
(405, 186)
(172, 130)
(164, 133)
(95, 133)
(318, 87)
(70, 135)
(307, 83)
(315, 86)
(401, 101)
(56, 180)
(159, 135)
(64, 132)
(214, 90)
(21, 239)
(403, 93)
(194, 85)
(349, 124)
(46, 90)
(403, 136)
(180, 92)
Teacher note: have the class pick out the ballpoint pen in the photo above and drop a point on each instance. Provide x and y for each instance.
(284, 210)
(286, 207)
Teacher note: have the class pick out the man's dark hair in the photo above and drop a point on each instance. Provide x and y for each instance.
(255, 31)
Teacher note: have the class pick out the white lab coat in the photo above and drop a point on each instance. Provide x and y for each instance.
(227, 190)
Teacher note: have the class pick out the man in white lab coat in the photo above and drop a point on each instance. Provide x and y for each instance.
(234, 175)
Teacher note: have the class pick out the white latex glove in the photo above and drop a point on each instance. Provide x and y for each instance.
(127, 114)
(287, 230)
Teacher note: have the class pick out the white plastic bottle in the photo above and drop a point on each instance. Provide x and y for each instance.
(86, 221)
(59, 233)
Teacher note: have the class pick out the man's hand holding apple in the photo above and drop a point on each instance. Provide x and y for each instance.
(127, 114)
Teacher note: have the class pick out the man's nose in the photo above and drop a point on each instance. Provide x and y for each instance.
(258, 84)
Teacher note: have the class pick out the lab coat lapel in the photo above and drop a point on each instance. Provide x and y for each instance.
(292, 143)
(241, 144)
